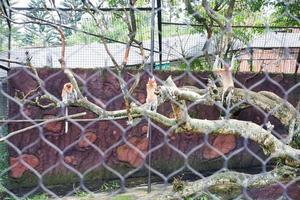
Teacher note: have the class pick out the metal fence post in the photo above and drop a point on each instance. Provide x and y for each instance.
(159, 26)
(8, 14)
(153, 10)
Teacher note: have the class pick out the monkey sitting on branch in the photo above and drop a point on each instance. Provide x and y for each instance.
(226, 78)
(68, 95)
(151, 99)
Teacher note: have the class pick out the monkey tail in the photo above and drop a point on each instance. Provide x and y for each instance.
(149, 128)
(66, 121)
(226, 102)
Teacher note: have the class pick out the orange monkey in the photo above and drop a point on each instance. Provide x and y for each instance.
(68, 95)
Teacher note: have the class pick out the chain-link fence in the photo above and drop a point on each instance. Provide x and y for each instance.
(149, 99)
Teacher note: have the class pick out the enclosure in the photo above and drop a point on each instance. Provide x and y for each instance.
(160, 99)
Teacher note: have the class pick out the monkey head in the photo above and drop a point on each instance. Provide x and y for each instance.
(69, 87)
(151, 83)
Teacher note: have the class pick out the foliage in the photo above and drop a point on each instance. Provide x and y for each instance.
(35, 197)
(178, 184)
(4, 33)
(197, 64)
(3, 161)
(114, 28)
(71, 18)
(82, 38)
(39, 197)
(245, 13)
(39, 34)
(125, 3)
(286, 12)
(82, 195)
(248, 12)
(110, 186)
(199, 197)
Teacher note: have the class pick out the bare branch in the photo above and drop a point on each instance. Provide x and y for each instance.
(53, 104)
(4, 67)
(281, 110)
(40, 124)
(63, 47)
(12, 61)
(137, 76)
(229, 14)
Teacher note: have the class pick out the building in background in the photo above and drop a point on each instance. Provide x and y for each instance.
(272, 51)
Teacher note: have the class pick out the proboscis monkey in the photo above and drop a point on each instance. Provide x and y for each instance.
(226, 78)
(68, 95)
(151, 99)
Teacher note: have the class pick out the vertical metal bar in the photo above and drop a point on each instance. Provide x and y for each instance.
(149, 154)
(251, 59)
(9, 37)
(6, 4)
(153, 12)
(159, 27)
(151, 70)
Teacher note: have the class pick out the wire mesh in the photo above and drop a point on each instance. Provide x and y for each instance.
(162, 99)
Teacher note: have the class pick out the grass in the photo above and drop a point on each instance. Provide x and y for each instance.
(3, 162)
(201, 197)
(39, 197)
(123, 197)
(81, 195)
(36, 197)
(110, 186)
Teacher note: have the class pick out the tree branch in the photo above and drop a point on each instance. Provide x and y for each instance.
(229, 14)
(269, 143)
(279, 108)
(169, 91)
(12, 61)
(219, 184)
(40, 124)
